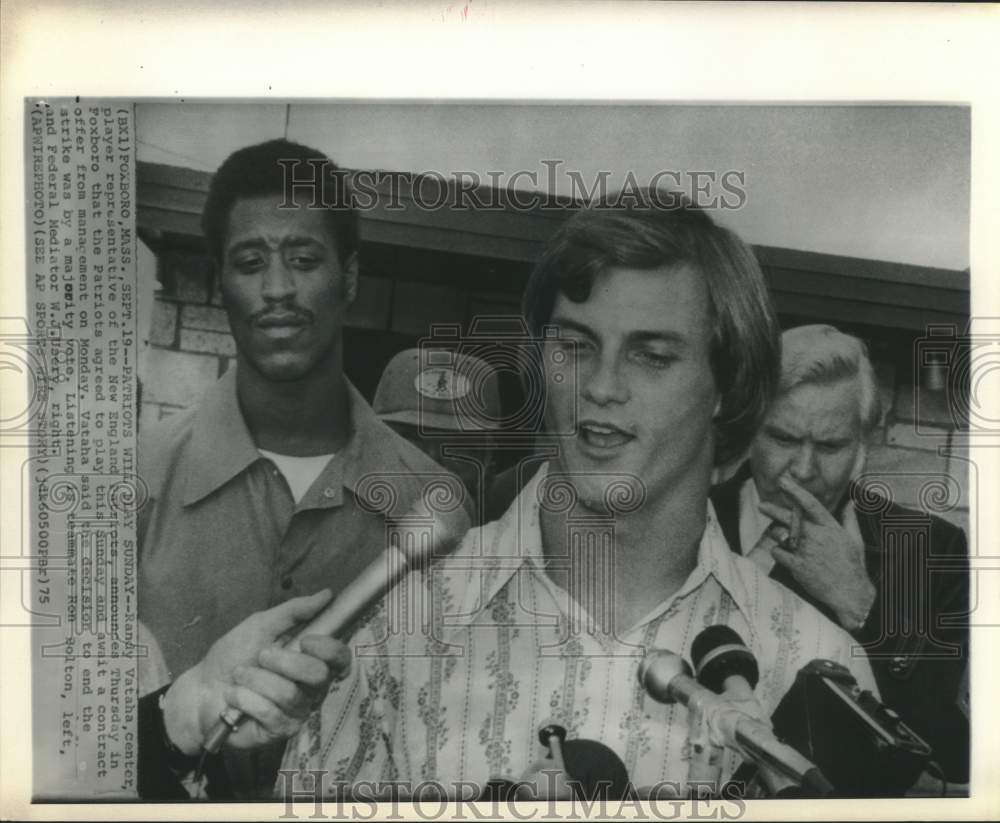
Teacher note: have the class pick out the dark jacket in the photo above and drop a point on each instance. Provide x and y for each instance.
(918, 662)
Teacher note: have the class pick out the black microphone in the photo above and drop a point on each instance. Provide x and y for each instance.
(722, 662)
(595, 771)
(587, 768)
(667, 679)
(552, 736)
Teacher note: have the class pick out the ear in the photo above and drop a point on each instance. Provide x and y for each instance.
(351, 278)
(859, 461)
(216, 282)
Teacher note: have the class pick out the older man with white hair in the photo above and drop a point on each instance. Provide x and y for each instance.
(896, 579)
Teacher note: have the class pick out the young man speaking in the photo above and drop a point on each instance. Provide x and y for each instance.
(665, 356)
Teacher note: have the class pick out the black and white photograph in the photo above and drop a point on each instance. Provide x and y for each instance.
(565, 456)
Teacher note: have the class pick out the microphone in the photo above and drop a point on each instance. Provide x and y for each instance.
(723, 663)
(667, 679)
(552, 737)
(414, 543)
(595, 771)
(586, 769)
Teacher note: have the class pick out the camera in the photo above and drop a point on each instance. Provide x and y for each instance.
(862, 747)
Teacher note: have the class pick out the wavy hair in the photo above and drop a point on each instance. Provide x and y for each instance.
(646, 233)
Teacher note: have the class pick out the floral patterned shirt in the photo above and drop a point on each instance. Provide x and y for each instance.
(460, 665)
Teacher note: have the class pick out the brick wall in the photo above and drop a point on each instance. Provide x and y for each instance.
(190, 344)
(917, 451)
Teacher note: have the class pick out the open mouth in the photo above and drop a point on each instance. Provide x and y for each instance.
(603, 435)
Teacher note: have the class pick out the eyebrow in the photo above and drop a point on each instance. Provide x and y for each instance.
(659, 336)
(774, 428)
(572, 325)
(293, 241)
(639, 336)
(835, 441)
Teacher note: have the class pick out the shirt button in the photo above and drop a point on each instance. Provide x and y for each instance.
(328, 492)
(286, 583)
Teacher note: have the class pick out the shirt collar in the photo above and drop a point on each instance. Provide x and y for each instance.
(729, 569)
(372, 448)
(514, 542)
(518, 538)
(753, 522)
(222, 447)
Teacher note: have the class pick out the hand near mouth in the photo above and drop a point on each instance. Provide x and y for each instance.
(824, 558)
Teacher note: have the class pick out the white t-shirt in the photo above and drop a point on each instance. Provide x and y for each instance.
(299, 472)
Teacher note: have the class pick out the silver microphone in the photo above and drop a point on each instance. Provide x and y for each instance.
(666, 677)
(411, 547)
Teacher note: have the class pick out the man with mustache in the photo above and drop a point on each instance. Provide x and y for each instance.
(279, 482)
(657, 350)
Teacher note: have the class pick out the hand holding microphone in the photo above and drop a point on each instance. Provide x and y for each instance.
(247, 668)
(415, 542)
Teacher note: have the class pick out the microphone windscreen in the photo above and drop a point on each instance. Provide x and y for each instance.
(598, 771)
(658, 670)
(711, 638)
(718, 652)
